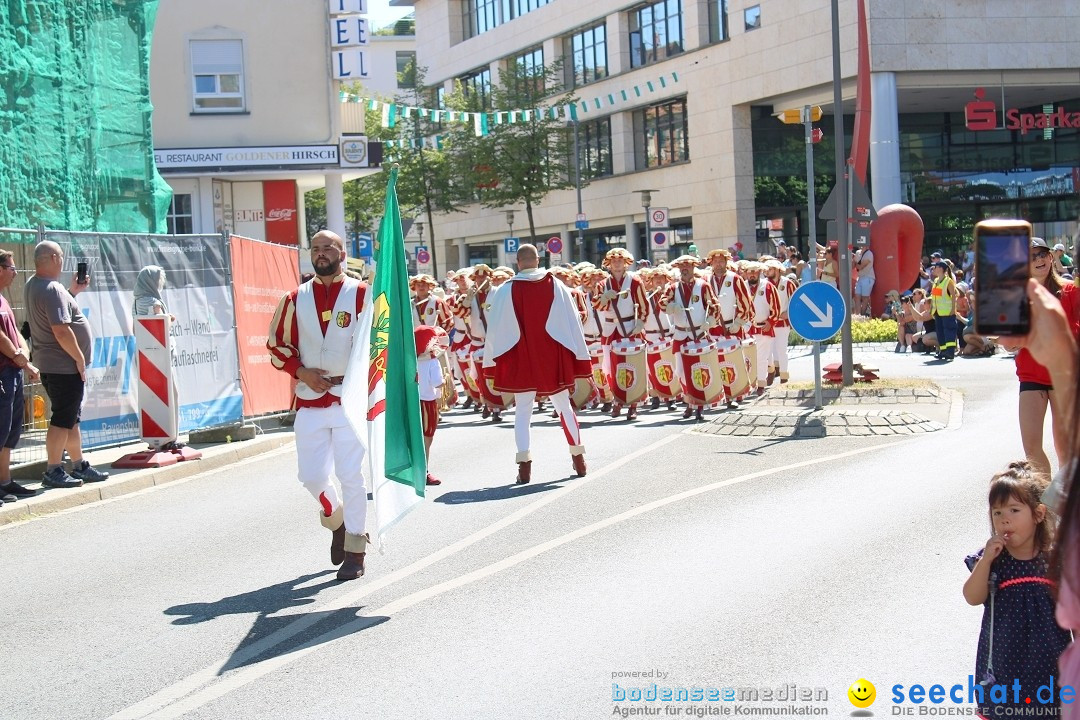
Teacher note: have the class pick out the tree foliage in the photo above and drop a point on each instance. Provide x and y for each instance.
(516, 163)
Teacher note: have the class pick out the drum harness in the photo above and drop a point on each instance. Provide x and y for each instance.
(615, 306)
(686, 311)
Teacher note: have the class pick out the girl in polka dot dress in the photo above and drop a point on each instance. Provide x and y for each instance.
(1020, 639)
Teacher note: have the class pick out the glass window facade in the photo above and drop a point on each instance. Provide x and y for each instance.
(179, 219)
(952, 176)
(594, 143)
(406, 69)
(718, 21)
(656, 32)
(662, 133)
(530, 69)
(479, 16)
(752, 18)
(588, 49)
(478, 86)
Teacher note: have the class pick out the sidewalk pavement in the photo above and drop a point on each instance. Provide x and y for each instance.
(122, 482)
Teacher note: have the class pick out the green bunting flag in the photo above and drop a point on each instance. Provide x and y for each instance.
(482, 122)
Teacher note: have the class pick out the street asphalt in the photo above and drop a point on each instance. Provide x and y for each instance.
(708, 561)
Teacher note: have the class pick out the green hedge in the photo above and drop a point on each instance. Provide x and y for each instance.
(863, 330)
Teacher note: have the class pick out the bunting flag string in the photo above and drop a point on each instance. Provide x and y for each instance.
(482, 121)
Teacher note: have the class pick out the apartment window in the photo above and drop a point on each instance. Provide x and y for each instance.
(663, 135)
(718, 22)
(477, 85)
(656, 32)
(589, 50)
(479, 16)
(406, 69)
(517, 8)
(218, 70)
(594, 145)
(179, 219)
(530, 71)
(752, 17)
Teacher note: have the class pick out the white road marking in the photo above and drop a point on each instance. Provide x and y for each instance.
(172, 703)
(193, 682)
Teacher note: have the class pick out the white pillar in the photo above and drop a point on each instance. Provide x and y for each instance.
(462, 253)
(884, 141)
(335, 204)
(633, 239)
(567, 236)
(205, 201)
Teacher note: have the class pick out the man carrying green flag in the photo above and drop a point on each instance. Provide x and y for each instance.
(350, 348)
(312, 338)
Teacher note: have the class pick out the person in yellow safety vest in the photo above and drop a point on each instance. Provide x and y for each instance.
(943, 302)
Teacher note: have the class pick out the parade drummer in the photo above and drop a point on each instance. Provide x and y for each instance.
(657, 322)
(785, 288)
(458, 305)
(766, 316)
(694, 311)
(731, 292)
(625, 305)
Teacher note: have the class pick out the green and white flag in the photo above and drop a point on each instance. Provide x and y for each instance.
(385, 410)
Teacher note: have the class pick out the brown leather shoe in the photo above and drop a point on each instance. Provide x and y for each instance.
(355, 550)
(524, 473)
(337, 546)
(353, 567)
(631, 414)
(579, 464)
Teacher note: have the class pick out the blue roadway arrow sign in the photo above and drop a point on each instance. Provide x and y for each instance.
(817, 311)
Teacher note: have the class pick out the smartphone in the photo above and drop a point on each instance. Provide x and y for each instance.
(1002, 269)
(81, 273)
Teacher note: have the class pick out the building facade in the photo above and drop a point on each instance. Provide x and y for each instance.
(247, 113)
(710, 145)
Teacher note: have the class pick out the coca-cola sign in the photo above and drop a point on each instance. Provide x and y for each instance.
(282, 216)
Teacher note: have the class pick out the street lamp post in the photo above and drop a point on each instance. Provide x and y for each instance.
(646, 202)
(510, 221)
(577, 183)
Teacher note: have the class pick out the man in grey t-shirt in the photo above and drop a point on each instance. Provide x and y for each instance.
(62, 345)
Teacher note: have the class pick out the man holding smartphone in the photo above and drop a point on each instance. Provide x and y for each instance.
(62, 343)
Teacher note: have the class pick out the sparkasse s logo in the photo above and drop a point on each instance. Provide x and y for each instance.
(980, 114)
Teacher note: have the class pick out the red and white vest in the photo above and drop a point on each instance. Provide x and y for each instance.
(328, 352)
(696, 312)
(724, 289)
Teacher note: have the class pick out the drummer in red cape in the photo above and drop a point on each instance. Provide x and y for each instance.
(623, 305)
(537, 347)
(785, 288)
(311, 339)
(694, 312)
(766, 316)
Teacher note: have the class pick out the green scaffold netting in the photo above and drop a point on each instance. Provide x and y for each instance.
(76, 147)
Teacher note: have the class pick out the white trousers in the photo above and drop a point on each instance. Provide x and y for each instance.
(765, 346)
(325, 445)
(780, 351)
(524, 403)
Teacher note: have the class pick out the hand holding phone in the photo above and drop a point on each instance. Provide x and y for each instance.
(1002, 269)
(82, 274)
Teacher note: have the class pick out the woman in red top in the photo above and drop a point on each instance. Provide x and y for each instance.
(1036, 390)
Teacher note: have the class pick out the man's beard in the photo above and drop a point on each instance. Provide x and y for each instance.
(753, 281)
(330, 269)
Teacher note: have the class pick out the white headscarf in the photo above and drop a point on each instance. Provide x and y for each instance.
(148, 291)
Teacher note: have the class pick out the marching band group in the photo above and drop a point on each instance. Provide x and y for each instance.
(707, 332)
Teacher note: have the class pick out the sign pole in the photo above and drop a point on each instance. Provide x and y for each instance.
(843, 213)
(817, 375)
(811, 215)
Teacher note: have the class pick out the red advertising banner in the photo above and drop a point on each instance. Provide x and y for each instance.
(281, 216)
(261, 273)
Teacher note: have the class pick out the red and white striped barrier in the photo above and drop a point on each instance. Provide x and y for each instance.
(159, 414)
